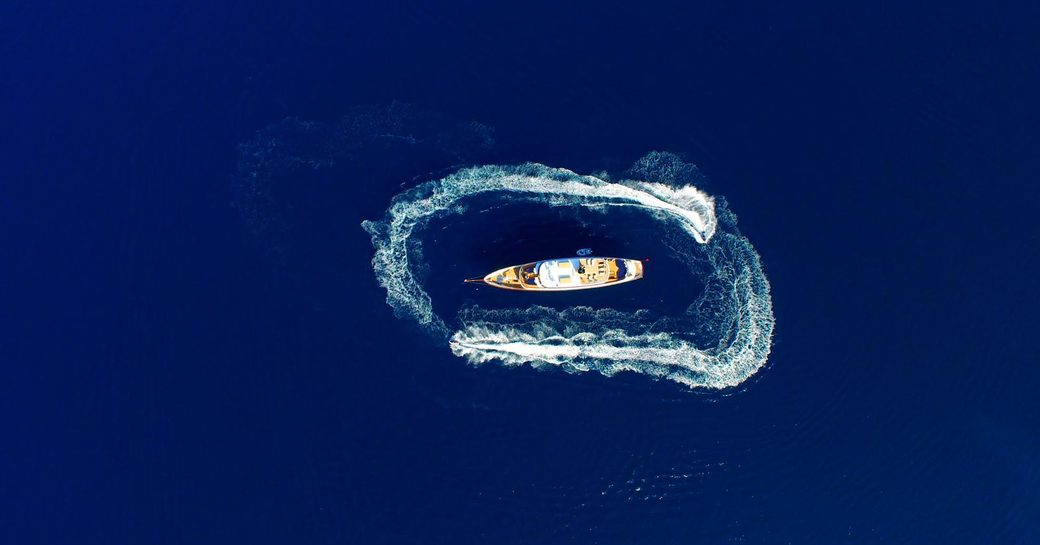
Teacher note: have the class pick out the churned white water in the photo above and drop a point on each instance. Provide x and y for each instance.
(735, 307)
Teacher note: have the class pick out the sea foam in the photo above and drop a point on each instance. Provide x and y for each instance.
(735, 306)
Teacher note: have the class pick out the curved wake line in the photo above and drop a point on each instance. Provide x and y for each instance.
(516, 337)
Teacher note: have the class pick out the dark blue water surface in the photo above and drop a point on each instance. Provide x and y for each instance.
(190, 355)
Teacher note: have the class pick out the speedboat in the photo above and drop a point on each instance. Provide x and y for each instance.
(564, 274)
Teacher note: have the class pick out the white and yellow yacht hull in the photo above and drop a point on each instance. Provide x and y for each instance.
(565, 274)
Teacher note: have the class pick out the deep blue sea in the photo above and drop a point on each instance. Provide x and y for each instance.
(201, 341)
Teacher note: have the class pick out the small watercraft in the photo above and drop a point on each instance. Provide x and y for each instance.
(564, 274)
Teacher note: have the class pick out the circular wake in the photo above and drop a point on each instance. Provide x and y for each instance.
(723, 338)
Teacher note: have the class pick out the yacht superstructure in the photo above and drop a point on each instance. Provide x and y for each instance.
(564, 274)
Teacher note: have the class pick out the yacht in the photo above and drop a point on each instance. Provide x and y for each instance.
(564, 274)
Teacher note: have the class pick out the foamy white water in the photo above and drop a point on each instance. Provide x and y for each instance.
(615, 341)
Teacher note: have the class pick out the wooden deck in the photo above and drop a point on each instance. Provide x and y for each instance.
(590, 273)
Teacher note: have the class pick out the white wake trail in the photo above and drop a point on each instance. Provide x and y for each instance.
(567, 339)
